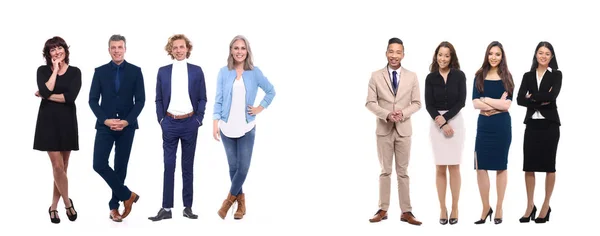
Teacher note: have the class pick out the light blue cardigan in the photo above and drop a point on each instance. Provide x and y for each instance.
(253, 79)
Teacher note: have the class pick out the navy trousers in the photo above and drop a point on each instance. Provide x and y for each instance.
(175, 130)
(122, 140)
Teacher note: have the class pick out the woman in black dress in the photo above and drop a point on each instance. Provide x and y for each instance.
(56, 127)
(538, 92)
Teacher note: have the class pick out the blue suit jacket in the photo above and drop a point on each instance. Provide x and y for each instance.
(196, 91)
(125, 104)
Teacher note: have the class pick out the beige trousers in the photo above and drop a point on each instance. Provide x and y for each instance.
(388, 147)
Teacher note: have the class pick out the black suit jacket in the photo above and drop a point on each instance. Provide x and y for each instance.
(125, 104)
(543, 94)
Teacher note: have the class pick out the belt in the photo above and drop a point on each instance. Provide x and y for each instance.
(491, 112)
(177, 117)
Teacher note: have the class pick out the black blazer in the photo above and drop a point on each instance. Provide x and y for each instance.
(529, 85)
(125, 104)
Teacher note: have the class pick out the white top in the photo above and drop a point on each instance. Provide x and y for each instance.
(180, 103)
(236, 125)
(537, 114)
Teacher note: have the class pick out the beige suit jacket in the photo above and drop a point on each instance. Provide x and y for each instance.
(381, 100)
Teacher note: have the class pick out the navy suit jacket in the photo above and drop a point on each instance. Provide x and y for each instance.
(125, 104)
(196, 91)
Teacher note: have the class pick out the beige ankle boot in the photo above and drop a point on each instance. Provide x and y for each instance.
(226, 205)
(241, 210)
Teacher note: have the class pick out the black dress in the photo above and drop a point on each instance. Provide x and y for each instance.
(56, 127)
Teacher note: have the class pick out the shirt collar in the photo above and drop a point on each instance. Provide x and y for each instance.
(180, 63)
(114, 65)
(390, 70)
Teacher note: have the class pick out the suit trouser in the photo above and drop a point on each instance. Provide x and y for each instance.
(239, 155)
(390, 146)
(122, 140)
(174, 130)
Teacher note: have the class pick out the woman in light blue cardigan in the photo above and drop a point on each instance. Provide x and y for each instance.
(234, 116)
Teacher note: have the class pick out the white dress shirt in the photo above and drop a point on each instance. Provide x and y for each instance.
(537, 114)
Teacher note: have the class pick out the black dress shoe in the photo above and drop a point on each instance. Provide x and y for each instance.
(530, 217)
(162, 215)
(53, 218)
(546, 218)
(71, 209)
(187, 212)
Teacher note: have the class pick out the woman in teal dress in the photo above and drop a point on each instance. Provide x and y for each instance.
(492, 95)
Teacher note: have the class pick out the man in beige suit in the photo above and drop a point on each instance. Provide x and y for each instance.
(393, 97)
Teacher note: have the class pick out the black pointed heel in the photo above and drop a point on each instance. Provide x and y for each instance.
(54, 219)
(489, 214)
(530, 217)
(546, 218)
(72, 217)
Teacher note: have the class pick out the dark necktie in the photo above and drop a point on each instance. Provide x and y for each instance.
(395, 81)
(117, 80)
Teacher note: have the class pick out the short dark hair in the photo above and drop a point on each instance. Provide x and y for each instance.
(53, 43)
(117, 37)
(395, 40)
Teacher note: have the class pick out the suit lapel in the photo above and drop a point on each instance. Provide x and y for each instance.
(534, 82)
(545, 80)
(191, 76)
(386, 77)
(167, 83)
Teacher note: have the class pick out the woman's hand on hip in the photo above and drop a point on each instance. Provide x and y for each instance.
(255, 110)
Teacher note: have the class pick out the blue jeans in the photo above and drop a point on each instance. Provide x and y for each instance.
(239, 154)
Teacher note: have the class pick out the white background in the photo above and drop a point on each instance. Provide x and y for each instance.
(314, 168)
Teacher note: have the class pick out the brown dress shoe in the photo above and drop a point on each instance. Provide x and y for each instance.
(226, 205)
(129, 203)
(241, 209)
(115, 215)
(379, 216)
(410, 218)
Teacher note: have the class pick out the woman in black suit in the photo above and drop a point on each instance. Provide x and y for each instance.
(538, 92)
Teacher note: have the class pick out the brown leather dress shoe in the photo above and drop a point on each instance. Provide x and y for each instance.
(128, 204)
(379, 216)
(410, 218)
(115, 215)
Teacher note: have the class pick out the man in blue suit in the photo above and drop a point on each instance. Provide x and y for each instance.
(180, 105)
(121, 86)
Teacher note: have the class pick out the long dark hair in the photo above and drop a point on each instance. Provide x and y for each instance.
(503, 71)
(53, 43)
(453, 58)
(553, 64)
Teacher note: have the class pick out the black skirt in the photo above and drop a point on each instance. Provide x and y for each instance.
(539, 145)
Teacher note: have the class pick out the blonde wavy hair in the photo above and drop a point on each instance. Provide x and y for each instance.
(169, 46)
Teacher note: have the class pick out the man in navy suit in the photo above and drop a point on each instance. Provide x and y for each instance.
(180, 105)
(121, 86)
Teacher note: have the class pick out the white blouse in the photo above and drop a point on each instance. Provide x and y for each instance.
(236, 125)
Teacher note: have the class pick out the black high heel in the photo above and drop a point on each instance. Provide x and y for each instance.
(444, 221)
(530, 217)
(72, 217)
(453, 220)
(546, 218)
(489, 214)
(54, 219)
